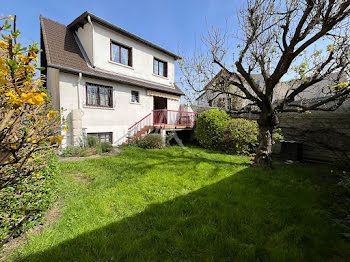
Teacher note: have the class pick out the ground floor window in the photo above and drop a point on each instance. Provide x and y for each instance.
(135, 98)
(102, 137)
(98, 95)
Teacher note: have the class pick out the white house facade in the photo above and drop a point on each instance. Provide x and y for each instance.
(104, 79)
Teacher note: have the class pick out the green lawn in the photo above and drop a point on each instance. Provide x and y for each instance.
(189, 205)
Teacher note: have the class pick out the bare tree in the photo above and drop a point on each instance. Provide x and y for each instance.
(275, 36)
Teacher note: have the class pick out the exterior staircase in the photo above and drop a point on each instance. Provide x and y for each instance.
(145, 130)
(161, 119)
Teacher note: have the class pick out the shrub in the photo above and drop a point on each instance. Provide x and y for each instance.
(23, 204)
(99, 149)
(240, 136)
(209, 128)
(151, 141)
(28, 130)
(106, 147)
(70, 151)
(92, 141)
(83, 152)
(28, 126)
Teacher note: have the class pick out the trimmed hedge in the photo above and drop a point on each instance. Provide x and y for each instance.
(240, 136)
(151, 141)
(209, 127)
(215, 130)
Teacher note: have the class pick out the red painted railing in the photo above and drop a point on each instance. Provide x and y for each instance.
(145, 122)
(165, 119)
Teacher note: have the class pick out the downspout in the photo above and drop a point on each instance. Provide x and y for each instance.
(78, 88)
(78, 132)
(92, 39)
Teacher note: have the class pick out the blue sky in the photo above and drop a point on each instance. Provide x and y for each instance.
(168, 23)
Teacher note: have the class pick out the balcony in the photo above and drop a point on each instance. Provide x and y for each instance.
(163, 119)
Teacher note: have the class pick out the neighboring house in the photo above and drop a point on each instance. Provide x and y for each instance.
(212, 98)
(104, 79)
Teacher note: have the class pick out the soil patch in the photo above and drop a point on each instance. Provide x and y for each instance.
(83, 179)
(69, 159)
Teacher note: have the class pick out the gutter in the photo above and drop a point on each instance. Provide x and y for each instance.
(113, 79)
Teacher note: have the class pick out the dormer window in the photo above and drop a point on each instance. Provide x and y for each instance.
(121, 54)
(160, 67)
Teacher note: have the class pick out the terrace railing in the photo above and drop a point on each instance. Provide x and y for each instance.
(163, 119)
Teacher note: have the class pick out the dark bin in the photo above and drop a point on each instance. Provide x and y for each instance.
(291, 150)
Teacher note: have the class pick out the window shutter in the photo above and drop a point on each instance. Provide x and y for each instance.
(165, 69)
(130, 57)
(110, 97)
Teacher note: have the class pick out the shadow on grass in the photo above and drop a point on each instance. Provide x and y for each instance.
(249, 216)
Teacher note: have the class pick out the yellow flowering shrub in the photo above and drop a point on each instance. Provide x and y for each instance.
(30, 132)
(28, 126)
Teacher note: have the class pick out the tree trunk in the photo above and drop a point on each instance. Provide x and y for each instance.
(267, 123)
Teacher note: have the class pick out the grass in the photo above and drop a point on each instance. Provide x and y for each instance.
(189, 205)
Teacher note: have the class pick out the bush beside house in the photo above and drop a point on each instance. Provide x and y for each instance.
(209, 128)
(106, 147)
(151, 141)
(92, 141)
(240, 136)
(215, 130)
(94, 147)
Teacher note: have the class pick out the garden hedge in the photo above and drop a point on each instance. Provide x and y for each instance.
(215, 130)
(209, 127)
(240, 136)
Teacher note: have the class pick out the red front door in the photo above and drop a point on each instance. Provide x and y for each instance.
(159, 113)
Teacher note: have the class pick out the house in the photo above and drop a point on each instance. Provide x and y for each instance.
(108, 82)
(213, 97)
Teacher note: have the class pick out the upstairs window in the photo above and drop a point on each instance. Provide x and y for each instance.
(121, 54)
(135, 97)
(98, 95)
(160, 67)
